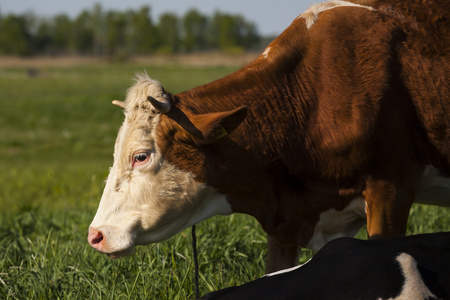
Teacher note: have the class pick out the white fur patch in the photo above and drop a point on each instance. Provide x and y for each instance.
(312, 14)
(266, 52)
(144, 86)
(414, 287)
(334, 224)
(286, 270)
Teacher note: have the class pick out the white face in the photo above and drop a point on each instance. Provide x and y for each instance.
(147, 199)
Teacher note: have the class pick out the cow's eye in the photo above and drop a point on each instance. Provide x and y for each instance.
(140, 159)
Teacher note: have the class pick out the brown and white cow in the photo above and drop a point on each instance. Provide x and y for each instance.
(338, 121)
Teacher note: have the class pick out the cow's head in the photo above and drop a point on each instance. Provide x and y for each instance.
(148, 199)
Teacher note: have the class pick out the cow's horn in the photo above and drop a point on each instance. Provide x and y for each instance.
(119, 103)
(162, 105)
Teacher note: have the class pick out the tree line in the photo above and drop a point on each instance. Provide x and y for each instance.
(115, 33)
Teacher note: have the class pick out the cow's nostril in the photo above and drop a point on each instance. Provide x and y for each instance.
(95, 238)
(98, 238)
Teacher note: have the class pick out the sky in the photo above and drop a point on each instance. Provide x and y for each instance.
(270, 16)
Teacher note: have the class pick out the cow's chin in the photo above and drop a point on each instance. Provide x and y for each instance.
(119, 254)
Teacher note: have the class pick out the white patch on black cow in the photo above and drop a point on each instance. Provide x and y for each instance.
(413, 287)
(312, 14)
(286, 270)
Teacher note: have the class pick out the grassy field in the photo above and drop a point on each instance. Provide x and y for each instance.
(57, 132)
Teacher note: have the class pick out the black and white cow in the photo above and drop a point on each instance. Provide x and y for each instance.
(409, 268)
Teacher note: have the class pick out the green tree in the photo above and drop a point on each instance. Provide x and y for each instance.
(98, 20)
(169, 33)
(15, 37)
(83, 33)
(234, 33)
(251, 39)
(226, 31)
(113, 33)
(195, 30)
(144, 36)
(43, 38)
(115, 37)
(61, 36)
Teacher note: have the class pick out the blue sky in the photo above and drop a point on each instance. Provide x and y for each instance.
(270, 16)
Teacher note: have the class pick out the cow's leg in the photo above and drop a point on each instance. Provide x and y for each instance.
(280, 256)
(387, 208)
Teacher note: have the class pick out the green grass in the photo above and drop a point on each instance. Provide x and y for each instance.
(57, 133)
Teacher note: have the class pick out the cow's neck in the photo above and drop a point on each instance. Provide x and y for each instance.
(251, 161)
(268, 93)
(260, 166)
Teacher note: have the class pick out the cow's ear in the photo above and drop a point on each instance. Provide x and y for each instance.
(213, 126)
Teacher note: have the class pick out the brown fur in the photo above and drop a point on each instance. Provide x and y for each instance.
(357, 104)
